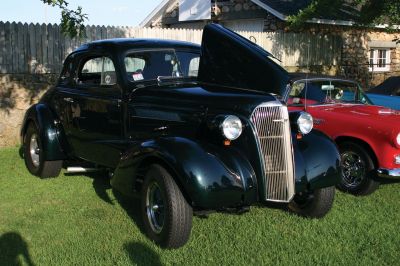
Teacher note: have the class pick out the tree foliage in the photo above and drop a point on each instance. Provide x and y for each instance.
(361, 12)
(71, 20)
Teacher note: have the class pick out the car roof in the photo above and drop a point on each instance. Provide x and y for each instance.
(127, 43)
(309, 76)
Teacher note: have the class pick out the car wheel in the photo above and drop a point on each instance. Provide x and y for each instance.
(315, 204)
(358, 170)
(167, 216)
(33, 155)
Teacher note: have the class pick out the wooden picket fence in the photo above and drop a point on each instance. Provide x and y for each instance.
(41, 48)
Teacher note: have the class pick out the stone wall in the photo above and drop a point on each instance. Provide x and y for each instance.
(355, 56)
(17, 93)
(272, 23)
(379, 77)
(355, 50)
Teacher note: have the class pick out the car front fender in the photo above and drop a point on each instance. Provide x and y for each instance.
(317, 162)
(210, 177)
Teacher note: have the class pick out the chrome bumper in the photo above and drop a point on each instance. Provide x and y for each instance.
(388, 173)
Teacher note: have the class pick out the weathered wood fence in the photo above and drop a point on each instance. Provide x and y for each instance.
(35, 48)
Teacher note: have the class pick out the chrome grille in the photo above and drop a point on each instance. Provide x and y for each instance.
(271, 123)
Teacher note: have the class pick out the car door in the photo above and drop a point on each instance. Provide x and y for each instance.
(149, 118)
(93, 113)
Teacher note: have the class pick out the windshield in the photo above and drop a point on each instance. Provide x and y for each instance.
(153, 64)
(325, 92)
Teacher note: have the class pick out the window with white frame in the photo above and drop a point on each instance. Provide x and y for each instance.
(379, 59)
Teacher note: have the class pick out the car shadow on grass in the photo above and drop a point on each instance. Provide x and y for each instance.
(276, 205)
(131, 205)
(141, 254)
(101, 183)
(388, 181)
(284, 207)
(12, 248)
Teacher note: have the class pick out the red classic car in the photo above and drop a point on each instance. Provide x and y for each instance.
(368, 136)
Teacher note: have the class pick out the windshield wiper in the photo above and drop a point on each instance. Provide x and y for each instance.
(143, 84)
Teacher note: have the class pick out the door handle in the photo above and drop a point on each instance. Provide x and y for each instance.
(68, 100)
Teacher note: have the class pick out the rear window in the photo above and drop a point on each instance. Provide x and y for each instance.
(148, 65)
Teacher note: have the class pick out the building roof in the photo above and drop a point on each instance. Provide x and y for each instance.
(279, 8)
(155, 13)
(284, 8)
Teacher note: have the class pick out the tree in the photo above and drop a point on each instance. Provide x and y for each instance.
(365, 13)
(71, 20)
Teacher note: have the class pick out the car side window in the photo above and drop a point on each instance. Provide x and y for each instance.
(297, 88)
(362, 97)
(98, 70)
(295, 94)
(194, 67)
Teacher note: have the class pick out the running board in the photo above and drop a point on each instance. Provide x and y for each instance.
(79, 169)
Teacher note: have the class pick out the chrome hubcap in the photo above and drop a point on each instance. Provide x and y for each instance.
(34, 150)
(354, 169)
(155, 207)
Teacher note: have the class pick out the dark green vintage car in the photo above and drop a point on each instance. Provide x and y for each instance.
(188, 128)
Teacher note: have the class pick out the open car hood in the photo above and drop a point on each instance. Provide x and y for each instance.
(228, 59)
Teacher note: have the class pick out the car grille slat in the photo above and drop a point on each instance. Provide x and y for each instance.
(272, 128)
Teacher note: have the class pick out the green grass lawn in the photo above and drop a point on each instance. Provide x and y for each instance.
(78, 220)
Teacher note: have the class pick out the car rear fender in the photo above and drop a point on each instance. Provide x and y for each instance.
(210, 177)
(47, 124)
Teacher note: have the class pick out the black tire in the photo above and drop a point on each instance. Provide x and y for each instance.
(169, 225)
(34, 160)
(358, 178)
(314, 205)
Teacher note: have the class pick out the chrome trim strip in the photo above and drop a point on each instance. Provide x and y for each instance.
(388, 173)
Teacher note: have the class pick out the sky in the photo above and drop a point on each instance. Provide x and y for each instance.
(100, 12)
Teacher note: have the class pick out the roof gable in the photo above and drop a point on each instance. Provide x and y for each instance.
(279, 8)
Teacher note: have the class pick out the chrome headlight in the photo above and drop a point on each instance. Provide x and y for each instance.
(397, 159)
(231, 127)
(398, 139)
(305, 123)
